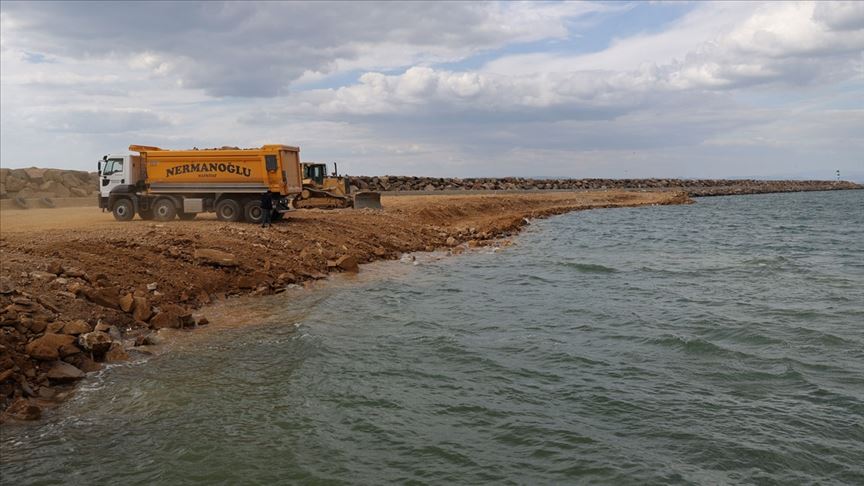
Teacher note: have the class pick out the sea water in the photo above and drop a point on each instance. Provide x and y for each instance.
(716, 343)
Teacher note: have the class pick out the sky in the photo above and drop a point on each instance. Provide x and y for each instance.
(445, 89)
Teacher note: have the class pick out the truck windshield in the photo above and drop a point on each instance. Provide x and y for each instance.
(112, 166)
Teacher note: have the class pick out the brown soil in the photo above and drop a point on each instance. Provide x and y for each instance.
(67, 265)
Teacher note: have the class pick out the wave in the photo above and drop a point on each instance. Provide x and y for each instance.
(589, 267)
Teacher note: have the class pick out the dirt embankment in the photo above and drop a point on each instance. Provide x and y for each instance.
(78, 289)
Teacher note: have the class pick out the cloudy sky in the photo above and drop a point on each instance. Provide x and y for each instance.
(445, 89)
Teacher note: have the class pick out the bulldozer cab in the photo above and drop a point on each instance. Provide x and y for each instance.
(315, 172)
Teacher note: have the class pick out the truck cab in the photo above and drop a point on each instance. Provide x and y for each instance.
(118, 173)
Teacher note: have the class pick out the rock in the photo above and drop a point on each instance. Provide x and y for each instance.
(152, 286)
(347, 263)
(172, 316)
(218, 258)
(55, 268)
(21, 300)
(42, 275)
(202, 321)
(103, 297)
(451, 241)
(15, 184)
(141, 309)
(116, 353)
(75, 273)
(126, 303)
(55, 188)
(62, 372)
(70, 180)
(23, 409)
(68, 350)
(35, 174)
(76, 327)
(204, 297)
(96, 342)
(78, 192)
(46, 348)
(246, 282)
(56, 327)
(85, 364)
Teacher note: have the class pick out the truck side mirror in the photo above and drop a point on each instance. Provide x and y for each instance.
(99, 167)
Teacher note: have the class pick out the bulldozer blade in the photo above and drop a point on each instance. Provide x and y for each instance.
(370, 200)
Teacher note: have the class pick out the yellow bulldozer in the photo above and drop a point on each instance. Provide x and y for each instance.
(331, 191)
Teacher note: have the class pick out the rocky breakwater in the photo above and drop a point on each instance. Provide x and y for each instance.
(694, 187)
(50, 183)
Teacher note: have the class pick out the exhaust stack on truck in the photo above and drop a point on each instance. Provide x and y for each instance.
(164, 184)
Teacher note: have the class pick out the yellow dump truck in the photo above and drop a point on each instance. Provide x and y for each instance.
(164, 184)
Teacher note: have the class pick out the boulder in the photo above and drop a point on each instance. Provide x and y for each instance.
(62, 372)
(112, 331)
(246, 282)
(70, 180)
(78, 192)
(346, 262)
(103, 297)
(217, 258)
(141, 309)
(75, 273)
(96, 342)
(55, 268)
(47, 347)
(116, 353)
(15, 184)
(172, 316)
(76, 327)
(35, 174)
(68, 350)
(60, 190)
(127, 302)
(23, 409)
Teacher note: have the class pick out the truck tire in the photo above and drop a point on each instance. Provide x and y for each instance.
(228, 210)
(164, 210)
(123, 209)
(187, 216)
(253, 213)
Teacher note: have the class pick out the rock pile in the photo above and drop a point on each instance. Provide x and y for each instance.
(43, 351)
(37, 183)
(695, 187)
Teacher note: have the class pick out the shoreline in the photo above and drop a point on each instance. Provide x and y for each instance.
(85, 291)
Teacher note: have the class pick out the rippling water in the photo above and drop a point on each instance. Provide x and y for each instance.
(716, 343)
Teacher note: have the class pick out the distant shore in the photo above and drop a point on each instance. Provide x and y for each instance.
(78, 289)
(32, 186)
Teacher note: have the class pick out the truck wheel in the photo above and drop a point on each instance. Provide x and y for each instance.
(228, 210)
(164, 210)
(123, 210)
(187, 216)
(146, 214)
(253, 212)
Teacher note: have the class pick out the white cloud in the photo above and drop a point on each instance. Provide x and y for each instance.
(759, 82)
